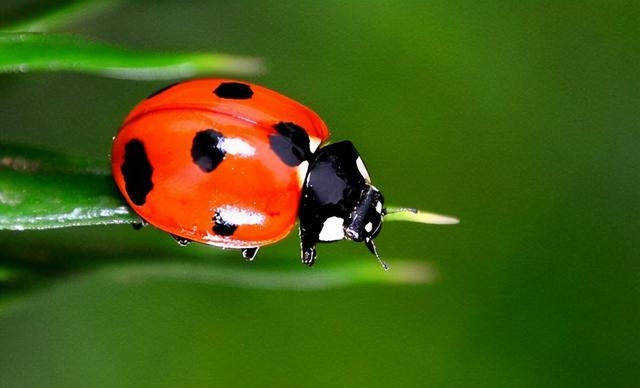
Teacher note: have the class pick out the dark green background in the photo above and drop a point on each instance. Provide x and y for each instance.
(520, 119)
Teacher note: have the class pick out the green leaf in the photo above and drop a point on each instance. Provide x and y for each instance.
(323, 276)
(45, 190)
(20, 277)
(61, 15)
(24, 265)
(418, 216)
(23, 52)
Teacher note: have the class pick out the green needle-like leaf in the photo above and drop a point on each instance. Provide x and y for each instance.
(45, 190)
(21, 273)
(61, 15)
(24, 51)
(323, 276)
(418, 216)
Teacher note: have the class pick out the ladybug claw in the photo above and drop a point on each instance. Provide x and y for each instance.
(309, 256)
(249, 253)
(181, 240)
(137, 225)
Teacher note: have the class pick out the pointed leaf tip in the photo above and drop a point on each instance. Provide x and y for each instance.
(419, 216)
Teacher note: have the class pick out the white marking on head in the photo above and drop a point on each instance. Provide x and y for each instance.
(332, 229)
(237, 147)
(302, 170)
(368, 227)
(363, 170)
(379, 207)
(314, 143)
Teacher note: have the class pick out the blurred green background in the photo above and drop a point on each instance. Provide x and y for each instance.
(521, 118)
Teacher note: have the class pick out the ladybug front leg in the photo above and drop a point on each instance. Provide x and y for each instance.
(308, 254)
(249, 253)
(181, 240)
(308, 240)
(137, 225)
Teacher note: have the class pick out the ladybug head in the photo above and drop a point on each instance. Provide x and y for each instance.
(338, 201)
(366, 220)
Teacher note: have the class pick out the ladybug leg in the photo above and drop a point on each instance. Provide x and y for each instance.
(249, 253)
(309, 255)
(181, 240)
(137, 225)
(308, 242)
(310, 227)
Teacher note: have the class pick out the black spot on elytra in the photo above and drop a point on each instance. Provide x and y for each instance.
(159, 91)
(205, 151)
(291, 144)
(222, 227)
(137, 172)
(234, 91)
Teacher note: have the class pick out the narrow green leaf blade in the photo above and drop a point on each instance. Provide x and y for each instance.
(24, 52)
(324, 276)
(418, 216)
(45, 190)
(61, 15)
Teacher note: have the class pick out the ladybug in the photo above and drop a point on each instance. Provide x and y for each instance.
(234, 165)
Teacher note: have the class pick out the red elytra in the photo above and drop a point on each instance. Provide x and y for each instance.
(250, 198)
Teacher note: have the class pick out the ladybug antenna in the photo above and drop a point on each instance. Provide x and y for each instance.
(372, 248)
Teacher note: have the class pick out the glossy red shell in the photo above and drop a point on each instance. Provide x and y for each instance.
(252, 187)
